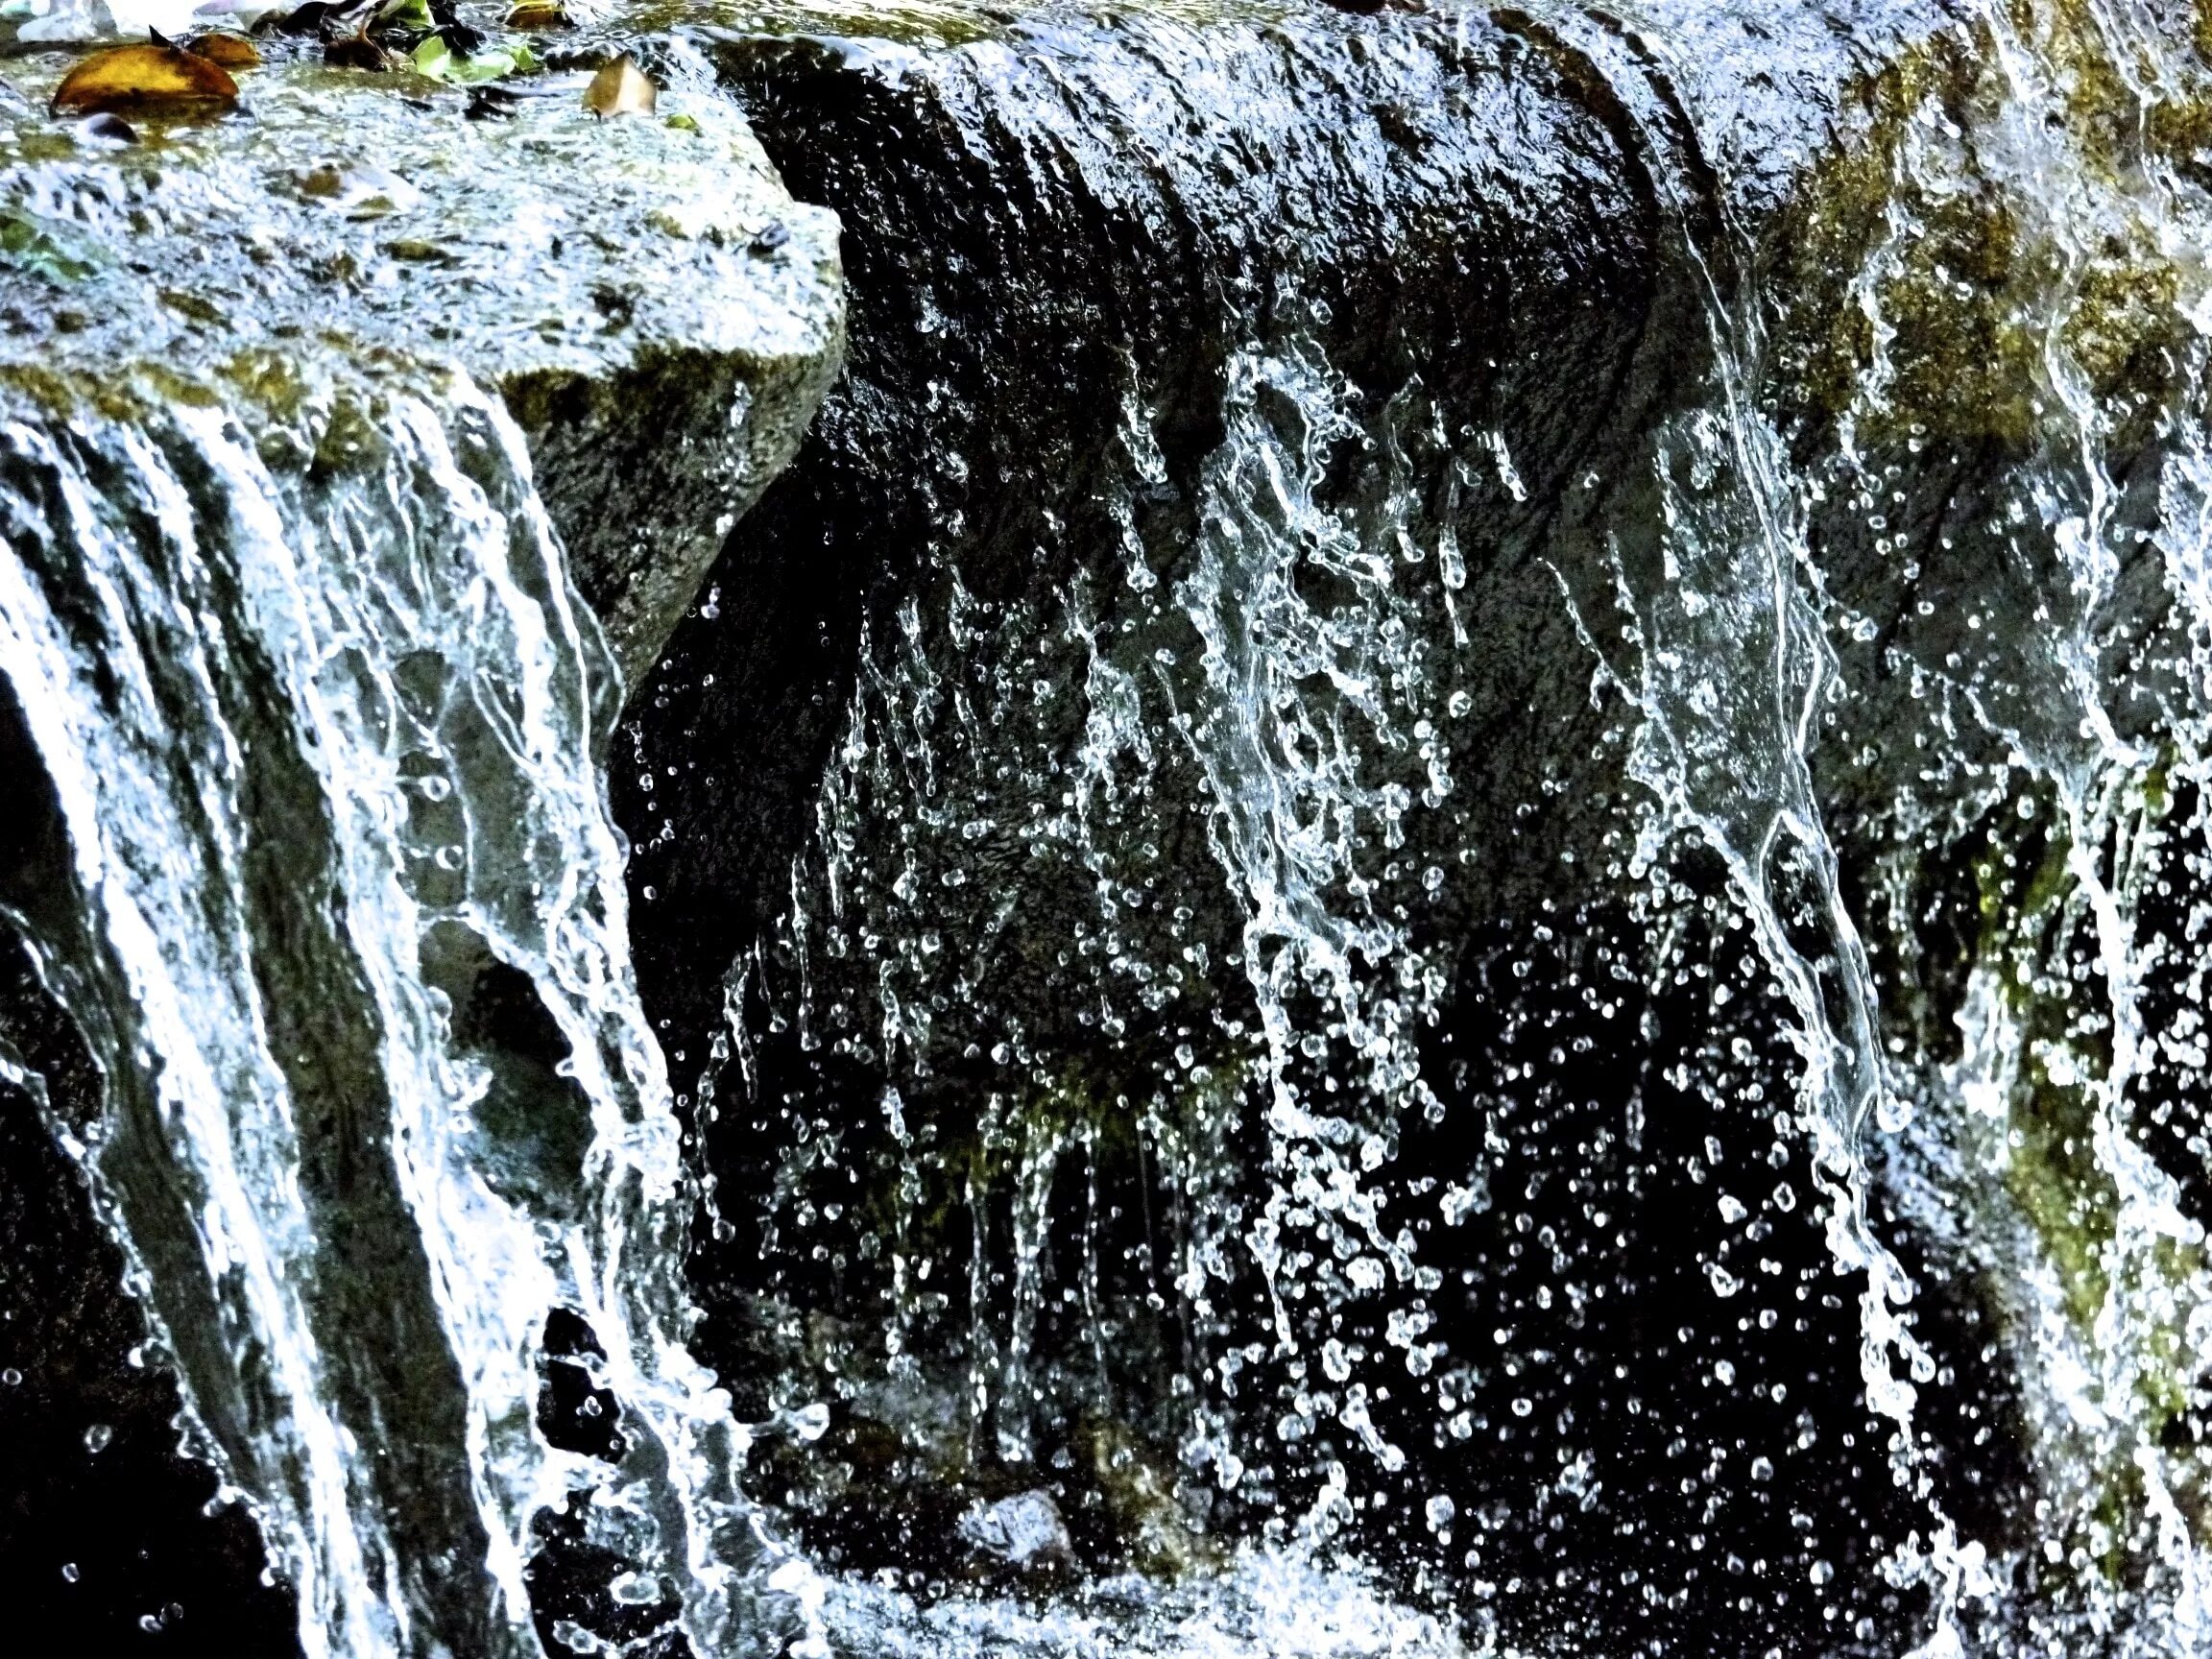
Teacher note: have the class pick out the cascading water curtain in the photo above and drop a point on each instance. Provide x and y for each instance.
(2028, 287)
(317, 712)
(1964, 380)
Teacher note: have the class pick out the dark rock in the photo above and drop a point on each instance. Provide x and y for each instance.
(1088, 263)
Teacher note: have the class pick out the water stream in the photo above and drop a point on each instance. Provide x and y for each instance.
(1245, 1116)
(320, 727)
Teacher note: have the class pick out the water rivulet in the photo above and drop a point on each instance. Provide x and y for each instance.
(1435, 881)
(308, 847)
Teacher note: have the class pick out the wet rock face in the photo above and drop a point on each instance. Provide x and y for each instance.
(1162, 688)
(1057, 242)
(1144, 857)
(1092, 267)
(660, 315)
(1350, 332)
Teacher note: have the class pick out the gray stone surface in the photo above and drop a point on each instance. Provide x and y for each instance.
(661, 315)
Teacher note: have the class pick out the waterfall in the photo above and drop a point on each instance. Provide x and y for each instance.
(2054, 121)
(1436, 884)
(340, 912)
(1134, 944)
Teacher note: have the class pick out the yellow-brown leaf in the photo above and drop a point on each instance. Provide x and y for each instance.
(230, 51)
(539, 15)
(149, 77)
(620, 89)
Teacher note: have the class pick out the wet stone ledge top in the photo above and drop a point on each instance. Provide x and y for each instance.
(954, 22)
(642, 288)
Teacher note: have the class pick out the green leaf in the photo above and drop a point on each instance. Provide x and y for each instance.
(434, 58)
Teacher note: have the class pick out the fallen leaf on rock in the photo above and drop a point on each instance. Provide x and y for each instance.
(539, 15)
(620, 89)
(436, 59)
(230, 51)
(154, 78)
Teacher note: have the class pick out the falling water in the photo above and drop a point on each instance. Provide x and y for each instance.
(1018, 776)
(1729, 755)
(1141, 1211)
(346, 930)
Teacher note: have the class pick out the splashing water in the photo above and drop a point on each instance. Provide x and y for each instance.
(1078, 1118)
(1277, 680)
(317, 708)
(1730, 753)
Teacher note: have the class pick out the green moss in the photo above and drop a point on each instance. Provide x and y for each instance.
(2053, 1176)
(1139, 1495)
(1959, 360)
(2050, 1168)
(929, 22)
(44, 248)
(2038, 939)
(1906, 219)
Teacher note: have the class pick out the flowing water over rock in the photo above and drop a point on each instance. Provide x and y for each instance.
(312, 846)
(1434, 882)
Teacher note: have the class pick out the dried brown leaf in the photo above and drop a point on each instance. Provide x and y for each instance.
(230, 51)
(620, 89)
(151, 78)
